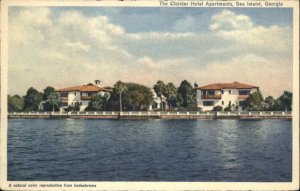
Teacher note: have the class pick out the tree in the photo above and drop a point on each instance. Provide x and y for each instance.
(285, 101)
(47, 92)
(120, 88)
(270, 103)
(159, 89)
(32, 99)
(98, 103)
(254, 102)
(15, 103)
(170, 92)
(187, 95)
(137, 96)
(53, 100)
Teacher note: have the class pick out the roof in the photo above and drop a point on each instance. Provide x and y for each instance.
(220, 86)
(84, 88)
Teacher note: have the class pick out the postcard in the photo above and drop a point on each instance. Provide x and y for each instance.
(149, 95)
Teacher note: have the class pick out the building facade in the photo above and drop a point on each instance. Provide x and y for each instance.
(81, 96)
(157, 102)
(224, 95)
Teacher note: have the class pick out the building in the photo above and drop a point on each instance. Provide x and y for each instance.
(81, 95)
(156, 104)
(224, 95)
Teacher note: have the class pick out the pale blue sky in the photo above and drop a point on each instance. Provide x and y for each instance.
(66, 46)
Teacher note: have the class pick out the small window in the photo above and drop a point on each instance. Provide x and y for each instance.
(222, 102)
(208, 103)
(242, 103)
(229, 102)
(229, 91)
(222, 91)
(80, 103)
(75, 93)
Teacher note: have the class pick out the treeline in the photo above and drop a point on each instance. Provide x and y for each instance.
(256, 102)
(137, 97)
(125, 96)
(32, 100)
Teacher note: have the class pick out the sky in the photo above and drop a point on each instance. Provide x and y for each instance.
(68, 46)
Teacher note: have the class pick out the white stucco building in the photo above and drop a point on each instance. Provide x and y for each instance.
(156, 104)
(81, 95)
(223, 94)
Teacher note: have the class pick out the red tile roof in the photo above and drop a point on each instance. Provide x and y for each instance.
(220, 86)
(84, 88)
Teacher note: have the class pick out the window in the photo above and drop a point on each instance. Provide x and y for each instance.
(208, 103)
(222, 102)
(222, 91)
(63, 104)
(242, 103)
(244, 92)
(229, 91)
(75, 93)
(229, 102)
(211, 92)
(64, 94)
(80, 103)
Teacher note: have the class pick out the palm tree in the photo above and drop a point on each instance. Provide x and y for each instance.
(159, 89)
(170, 91)
(53, 100)
(120, 88)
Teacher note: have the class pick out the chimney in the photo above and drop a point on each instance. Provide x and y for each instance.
(97, 82)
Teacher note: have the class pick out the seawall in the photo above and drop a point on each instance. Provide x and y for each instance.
(152, 115)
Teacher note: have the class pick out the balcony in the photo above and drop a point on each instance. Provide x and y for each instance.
(243, 97)
(86, 97)
(218, 96)
(64, 99)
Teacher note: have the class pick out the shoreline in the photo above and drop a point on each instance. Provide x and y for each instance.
(152, 115)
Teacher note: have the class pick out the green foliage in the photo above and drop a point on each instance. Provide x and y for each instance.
(134, 97)
(32, 99)
(170, 92)
(98, 103)
(254, 102)
(137, 97)
(47, 92)
(53, 100)
(15, 103)
(76, 106)
(186, 95)
(284, 102)
(270, 104)
(120, 88)
(218, 108)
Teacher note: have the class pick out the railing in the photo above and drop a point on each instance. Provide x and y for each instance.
(211, 96)
(156, 113)
(86, 97)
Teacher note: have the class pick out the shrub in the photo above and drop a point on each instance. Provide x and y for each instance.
(218, 108)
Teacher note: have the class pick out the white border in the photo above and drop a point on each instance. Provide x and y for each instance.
(294, 185)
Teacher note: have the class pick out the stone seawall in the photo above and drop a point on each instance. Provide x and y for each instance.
(206, 116)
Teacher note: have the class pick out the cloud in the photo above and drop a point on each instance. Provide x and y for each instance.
(66, 48)
(228, 20)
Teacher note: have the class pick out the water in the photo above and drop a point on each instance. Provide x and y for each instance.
(149, 150)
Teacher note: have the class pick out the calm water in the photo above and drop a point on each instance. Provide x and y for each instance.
(149, 150)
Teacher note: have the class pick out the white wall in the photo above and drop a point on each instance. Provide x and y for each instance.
(226, 98)
(75, 96)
